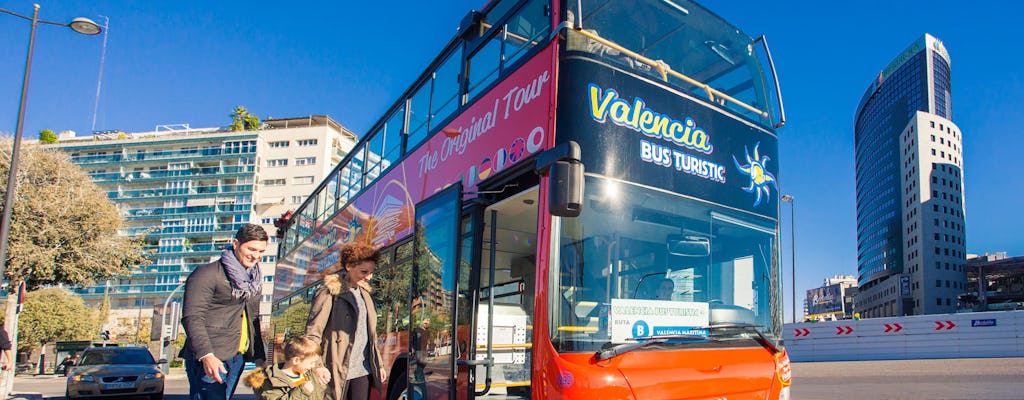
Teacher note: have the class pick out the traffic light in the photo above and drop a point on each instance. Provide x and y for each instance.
(105, 335)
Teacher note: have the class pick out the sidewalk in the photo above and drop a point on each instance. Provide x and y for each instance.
(176, 373)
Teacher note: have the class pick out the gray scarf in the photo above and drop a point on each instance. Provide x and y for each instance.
(245, 282)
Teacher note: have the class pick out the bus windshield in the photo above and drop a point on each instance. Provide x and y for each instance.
(685, 37)
(639, 262)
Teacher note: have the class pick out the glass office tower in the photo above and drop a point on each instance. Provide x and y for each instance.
(910, 220)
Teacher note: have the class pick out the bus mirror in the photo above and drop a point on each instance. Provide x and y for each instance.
(566, 189)
(688, 246)
(563, 167)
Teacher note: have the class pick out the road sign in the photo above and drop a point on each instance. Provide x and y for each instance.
(944, 325)
(983, 322)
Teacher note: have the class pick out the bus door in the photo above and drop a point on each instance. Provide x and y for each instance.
(502, 353)
(434, 277)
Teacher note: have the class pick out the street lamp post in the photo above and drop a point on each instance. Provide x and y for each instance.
(81, 25)
(792, 243)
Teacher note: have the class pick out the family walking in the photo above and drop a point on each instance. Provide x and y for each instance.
(336, 358)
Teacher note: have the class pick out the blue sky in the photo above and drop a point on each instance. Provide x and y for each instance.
(193, 62)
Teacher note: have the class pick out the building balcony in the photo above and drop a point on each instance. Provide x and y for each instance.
(159, 213)
(182, 155)
(219, 230)
(150, 194)
(185, 249)
(231, 171)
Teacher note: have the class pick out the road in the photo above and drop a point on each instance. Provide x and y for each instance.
(960, 378)
(52, 387)
(953, 379)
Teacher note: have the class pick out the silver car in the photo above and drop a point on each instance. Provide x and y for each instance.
(116, 371)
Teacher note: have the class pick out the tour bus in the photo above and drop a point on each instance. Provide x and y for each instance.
(576, 199)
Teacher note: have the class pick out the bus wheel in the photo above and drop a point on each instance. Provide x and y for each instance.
(396, 390)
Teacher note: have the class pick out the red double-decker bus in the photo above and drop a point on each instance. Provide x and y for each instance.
(576, 199)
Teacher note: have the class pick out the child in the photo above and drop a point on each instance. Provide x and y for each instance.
(292, 380)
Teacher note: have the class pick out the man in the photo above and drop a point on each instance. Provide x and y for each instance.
(7, 363)
(221, 317)
(6, 354)
(665, 289)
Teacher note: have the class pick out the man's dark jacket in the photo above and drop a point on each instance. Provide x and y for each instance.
(212, 317)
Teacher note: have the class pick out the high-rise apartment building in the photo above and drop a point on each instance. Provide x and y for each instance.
(187, 191)
(910, 208)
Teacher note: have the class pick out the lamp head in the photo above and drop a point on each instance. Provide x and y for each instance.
(787, 197)
(85, 26)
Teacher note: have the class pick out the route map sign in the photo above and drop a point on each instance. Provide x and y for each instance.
(642, 318)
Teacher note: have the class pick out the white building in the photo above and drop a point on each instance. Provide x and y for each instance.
(187, 191)
(910, 209)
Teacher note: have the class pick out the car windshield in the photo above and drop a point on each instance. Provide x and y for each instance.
(117, 357)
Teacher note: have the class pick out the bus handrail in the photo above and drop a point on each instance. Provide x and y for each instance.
(507, 346)
(573, 328)
(521, 384)
(664, 69)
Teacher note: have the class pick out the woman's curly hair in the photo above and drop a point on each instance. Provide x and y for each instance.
(355, 253)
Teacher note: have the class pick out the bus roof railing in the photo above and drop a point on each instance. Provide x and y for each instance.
(665, 70)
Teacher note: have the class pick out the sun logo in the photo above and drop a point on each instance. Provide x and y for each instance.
(760, 178)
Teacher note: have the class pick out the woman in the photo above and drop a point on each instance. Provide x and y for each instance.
(343, 320)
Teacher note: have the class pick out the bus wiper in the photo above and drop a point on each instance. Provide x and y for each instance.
(642, 342)
(761, 339)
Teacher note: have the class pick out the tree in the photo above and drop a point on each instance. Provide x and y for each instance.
(293, 320)
(54, 314)
(63, 230)
(242, 120)
(47, 136)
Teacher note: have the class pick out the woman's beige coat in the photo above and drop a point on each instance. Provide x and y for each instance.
(332, 324)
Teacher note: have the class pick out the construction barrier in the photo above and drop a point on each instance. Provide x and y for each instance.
(965, 335)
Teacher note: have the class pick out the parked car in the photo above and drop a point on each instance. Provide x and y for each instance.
(116, 371)
(25, 368)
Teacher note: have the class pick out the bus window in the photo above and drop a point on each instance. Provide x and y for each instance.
(690, 40)
(419, 116)
(524, 30)
(391, 287)
(483, 67)
(626, 248)
(374, 152)
(393, 139)
(444, 99)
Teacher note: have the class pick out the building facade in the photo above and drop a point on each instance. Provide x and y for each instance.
(1001, 277)
(187, 191)
(832, 300)
(909, 168)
